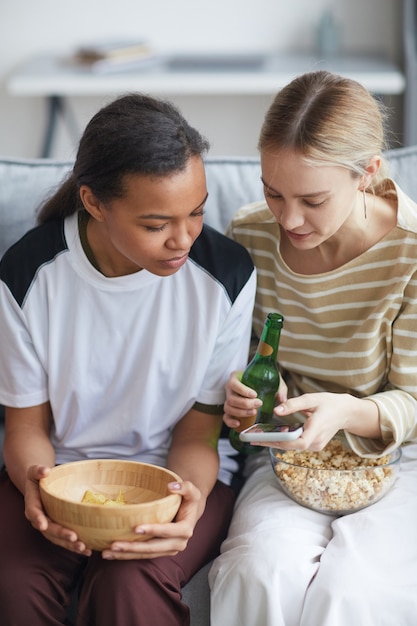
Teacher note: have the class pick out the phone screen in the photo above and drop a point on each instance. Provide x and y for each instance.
(271, 432)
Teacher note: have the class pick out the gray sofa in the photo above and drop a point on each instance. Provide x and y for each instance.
(231, 183)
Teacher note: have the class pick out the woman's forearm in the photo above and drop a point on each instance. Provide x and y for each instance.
(196, 462)
(27, 442)
(193, 454)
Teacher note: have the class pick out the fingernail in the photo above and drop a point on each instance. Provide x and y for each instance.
(174, 486)
(280, 408)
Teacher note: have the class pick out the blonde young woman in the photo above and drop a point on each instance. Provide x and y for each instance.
(335, 246)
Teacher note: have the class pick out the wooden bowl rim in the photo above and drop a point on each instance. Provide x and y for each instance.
(44, 483)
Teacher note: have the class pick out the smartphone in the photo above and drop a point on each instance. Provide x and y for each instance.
(271, 432)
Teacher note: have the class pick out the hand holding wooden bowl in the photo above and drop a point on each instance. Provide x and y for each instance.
(138, 494)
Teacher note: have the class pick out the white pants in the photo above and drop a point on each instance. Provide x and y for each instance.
(285, 565)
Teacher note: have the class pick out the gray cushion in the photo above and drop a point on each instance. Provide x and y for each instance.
(25, 184)
(231, 182)
(403, 169)
(197, 595)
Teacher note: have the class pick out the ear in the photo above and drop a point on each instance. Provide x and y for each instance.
(91, 204)
(370, 172)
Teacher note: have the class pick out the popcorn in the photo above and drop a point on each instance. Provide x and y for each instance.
(334, 480)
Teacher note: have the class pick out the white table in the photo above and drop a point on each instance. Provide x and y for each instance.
(257, 74)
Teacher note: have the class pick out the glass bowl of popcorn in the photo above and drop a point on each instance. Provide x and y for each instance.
(335, 480)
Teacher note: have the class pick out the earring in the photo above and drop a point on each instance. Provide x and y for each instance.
(364, 202)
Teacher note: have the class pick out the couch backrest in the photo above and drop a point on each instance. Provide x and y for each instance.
(26, 183)
(231, 182)
(403, 169)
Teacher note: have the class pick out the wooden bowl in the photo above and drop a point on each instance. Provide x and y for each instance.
(143, 488)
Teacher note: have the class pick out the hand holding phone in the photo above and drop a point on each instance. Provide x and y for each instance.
(264, 433)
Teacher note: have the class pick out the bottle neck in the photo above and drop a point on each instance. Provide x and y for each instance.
(269, 342)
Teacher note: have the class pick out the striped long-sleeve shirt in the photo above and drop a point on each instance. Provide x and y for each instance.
(350, 330)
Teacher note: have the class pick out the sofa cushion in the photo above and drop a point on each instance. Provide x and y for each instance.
(403, 169)
(26, 183)
(231, 182)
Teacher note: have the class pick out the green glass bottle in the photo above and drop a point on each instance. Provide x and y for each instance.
(262, 375)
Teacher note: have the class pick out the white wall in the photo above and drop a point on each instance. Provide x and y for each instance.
(29, 27)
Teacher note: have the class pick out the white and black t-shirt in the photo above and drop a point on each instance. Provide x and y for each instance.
(122, 359)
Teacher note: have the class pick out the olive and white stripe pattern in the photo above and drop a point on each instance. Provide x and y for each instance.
(353, 329)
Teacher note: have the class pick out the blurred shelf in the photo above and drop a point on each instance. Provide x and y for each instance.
(255, 74)
(190, 75)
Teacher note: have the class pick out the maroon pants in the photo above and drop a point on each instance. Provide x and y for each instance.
(37, 578)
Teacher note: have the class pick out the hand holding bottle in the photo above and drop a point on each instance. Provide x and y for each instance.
(242, 401)
(261, 375)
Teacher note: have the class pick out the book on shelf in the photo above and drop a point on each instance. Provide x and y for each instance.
(113, 56)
